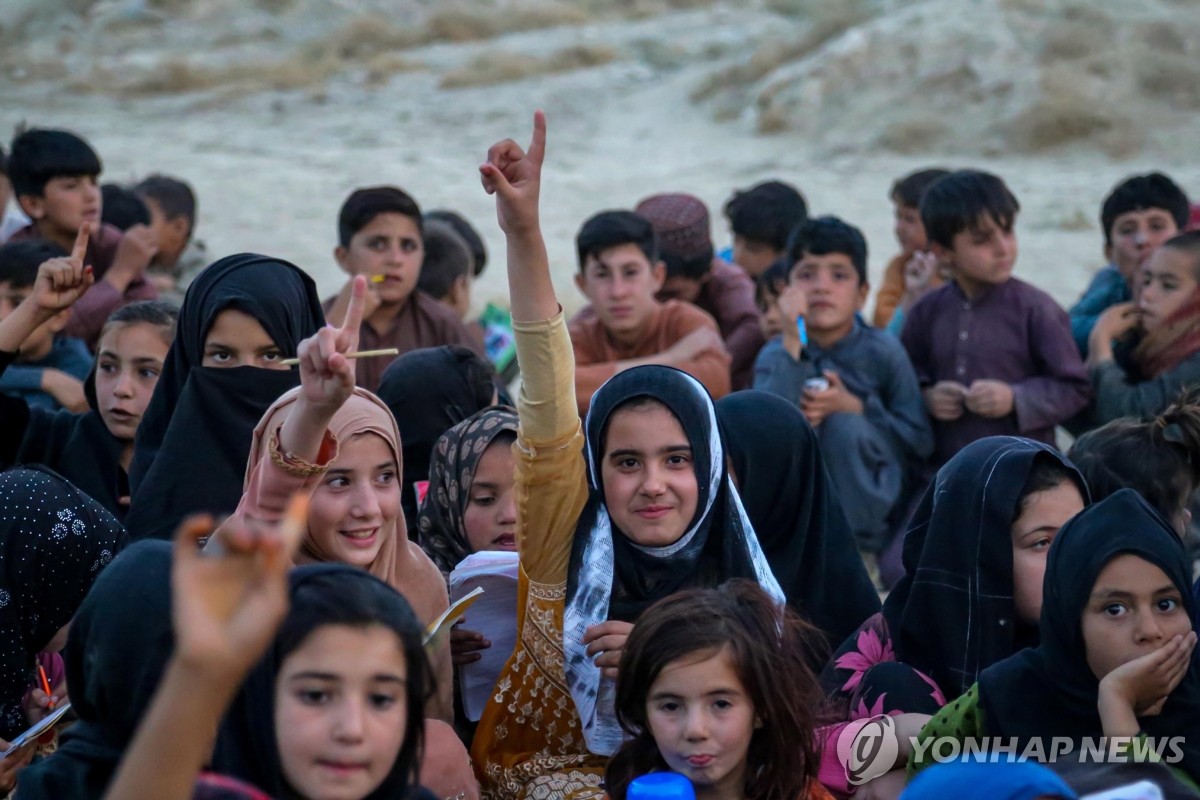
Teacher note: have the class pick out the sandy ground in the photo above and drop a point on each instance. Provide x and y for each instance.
(272, 167)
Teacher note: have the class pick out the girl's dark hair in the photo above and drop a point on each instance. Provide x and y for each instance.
(1158, 458)
(769, 646)
(342, 598)
(1047, 473)
(151, 312)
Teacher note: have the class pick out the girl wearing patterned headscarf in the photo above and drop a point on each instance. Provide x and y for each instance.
(54, 540)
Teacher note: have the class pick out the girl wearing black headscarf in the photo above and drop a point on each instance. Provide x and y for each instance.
(54, 542)
(191, 448)
(1117, 637)
(275, 738)
(800, 524)
(429, 391)
(119, 645)
(973, 558)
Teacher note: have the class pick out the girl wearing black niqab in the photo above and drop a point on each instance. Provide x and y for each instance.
(799, 521)
(192, 445)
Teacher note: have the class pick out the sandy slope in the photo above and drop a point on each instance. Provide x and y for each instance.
(272, 165)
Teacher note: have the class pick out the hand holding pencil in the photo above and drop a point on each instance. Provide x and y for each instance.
(326, 371)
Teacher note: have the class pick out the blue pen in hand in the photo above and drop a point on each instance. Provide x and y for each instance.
(802, 330)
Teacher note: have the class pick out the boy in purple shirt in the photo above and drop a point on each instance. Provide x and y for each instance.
(994, 356)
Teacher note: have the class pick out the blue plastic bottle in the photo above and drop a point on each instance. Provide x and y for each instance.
(661, 786)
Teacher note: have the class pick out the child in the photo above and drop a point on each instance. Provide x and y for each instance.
(783, 484)
(172, 206)
(54, 175)
(242, 316)
(650, 511)
(121, 208)
(767, 289)
(1139, 214)
(870, 412)
(11, 217)
(379, 236)
(695, 275)
(340, 443)
(429, 391)
(468, 233)
(447, 270)
(761, 218)
(713, 686)
(912, 273)
(993, 355)
(49, 366)
(92, 450)
(1160, 357)
(470, 505)
(620, 274)
(974, 556)
(1116, 644)
(54, 541)
(1155, 457)
(353, 642)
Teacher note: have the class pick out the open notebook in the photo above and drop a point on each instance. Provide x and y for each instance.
(494, 614)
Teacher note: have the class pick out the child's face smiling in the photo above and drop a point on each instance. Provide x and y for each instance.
(649, 476)
(128, 364)
(1134, 609)
(490, 518)
(702, 721)
(983, 255)
(1136, 235)
(1168, 282)
(834, 293)
(389, 245)
(341, 711)
(621, 284)
(67, 202)
(356, 504)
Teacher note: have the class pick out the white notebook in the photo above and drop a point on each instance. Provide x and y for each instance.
(494, 614)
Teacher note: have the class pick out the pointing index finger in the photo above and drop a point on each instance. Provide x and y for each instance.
(354, 313)
(537, 147)
(79, 252)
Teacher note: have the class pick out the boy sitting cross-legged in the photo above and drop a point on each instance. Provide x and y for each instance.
(870, 419)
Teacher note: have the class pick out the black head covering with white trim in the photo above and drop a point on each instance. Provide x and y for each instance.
(612, 577)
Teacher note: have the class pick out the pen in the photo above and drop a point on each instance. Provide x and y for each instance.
(46, 685)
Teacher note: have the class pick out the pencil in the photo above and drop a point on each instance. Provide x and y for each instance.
(378, 278)
(387, 351)
(46, 685)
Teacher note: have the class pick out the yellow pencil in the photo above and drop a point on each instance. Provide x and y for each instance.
(387, 351)
(378, 278)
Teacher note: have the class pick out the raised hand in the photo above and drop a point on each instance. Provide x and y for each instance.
(326, 375)
(227, 603)
(514, 176)
(62, 281)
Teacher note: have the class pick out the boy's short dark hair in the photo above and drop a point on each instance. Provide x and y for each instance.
(824, 235)
(612, 229)
(1187, 242)
(1142, 192)
(121, 208)
(958, 201)
(19, 261)
(766, 212)
(907, 191)
(38, 155)
(682, 225)
(174, 197)
(772, 281)
(466, 231)
(447, 258)
(364, 205)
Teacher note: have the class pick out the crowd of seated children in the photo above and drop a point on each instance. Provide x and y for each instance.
(620, 273)
(867, 408)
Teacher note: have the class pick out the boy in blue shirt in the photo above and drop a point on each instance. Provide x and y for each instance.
(854, 383)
